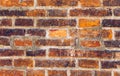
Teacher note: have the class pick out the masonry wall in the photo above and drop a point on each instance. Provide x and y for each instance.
(59, 37)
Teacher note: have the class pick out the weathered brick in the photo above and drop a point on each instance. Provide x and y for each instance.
(54, 63)
(85, 23)
(91, 12)
(110, 64)
(116, 73)
(57, 2)
(54, 52)
(58, 33)
(36, 12)
(4, 72)
(107, 34)
(89, 33)
(5, 62)
(36, 53)
(57, 73)
(88, 43)
(5, 22)
(23, 63)
(90, 3)
(112, 43)
(56, 22)
(111, 2)
(116, 12)
(88, 63)
(117, 35)
(35, 72)
(10, 32)
(111, 23)
(73, 33)
(10, 3)
(24, 22)
(81, 73)
(4, 41)
(22, 42)
(103, 73)
(57, 13)
(10, 52)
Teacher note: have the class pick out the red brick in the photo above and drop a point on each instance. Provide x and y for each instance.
(89, 63)
(5, 22)
(23, 63)
(5, 62)
(57, 2)
(103, 73)
(90, 3)
(54, 63)
(91, 12)
(57, 73)
(23, 22)
(4, 41)
(10, 52)
(35, 73)
(111, 2)
(81, 73)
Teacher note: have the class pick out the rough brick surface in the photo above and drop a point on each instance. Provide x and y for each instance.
(59, 37)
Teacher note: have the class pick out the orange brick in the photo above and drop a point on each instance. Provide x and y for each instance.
(90, 43)
(20, 42)
(88, 23)
(23, 63)
(35, 73)
(58, 33)
(107, 34)
(90, 3)
(117, 73)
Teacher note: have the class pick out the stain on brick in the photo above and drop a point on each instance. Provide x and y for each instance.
(36, 53)
(23, 22)
(112, 43)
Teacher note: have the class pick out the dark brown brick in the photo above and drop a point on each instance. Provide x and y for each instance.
(35, 72)
(110, 64)
(5, 22)
(48, 42)
(5, 62)
(57, 13)
(57, 2)
(111, 23)
(117, 35)
(36, 32)
(23, 22)
(117, 12)
(4, 41)
(89, 63)
(5, 72)
(57, 73)
(54, 52)
(9, 52)
(103, 73)
(56, 22)
(54, 63)
(111, 2)
(81, 73)
(90, 12)
(36, 53)
(112, 43)
(10, 32)
(23, 63)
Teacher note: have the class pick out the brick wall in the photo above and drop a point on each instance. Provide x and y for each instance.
(59, 38)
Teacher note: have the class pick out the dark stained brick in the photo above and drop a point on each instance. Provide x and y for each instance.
(9, 52)
(5, 62)
(117, 12)
(57, 13)
(111, 2)
(10, 32)
(36, 53)
(36, 32)
(112, 43)
(90, 12)
(24, 22)
(54, 63)
(111, 23)
(4, 41)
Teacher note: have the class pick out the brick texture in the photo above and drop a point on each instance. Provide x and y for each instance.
(59, 37)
